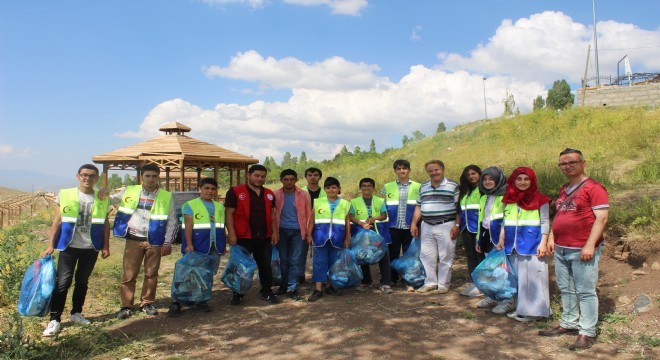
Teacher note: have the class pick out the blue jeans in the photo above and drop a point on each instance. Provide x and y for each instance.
(290, 247)
(324, 257)
(577, 279)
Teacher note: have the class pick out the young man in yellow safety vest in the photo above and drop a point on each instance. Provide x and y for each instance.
(203, 232)
(79, 231)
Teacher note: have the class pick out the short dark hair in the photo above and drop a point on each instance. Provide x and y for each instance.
(287, 172)
(367, 180)
(331, 181)
(401, 162)
(210, 181)
(313, 170)
(442, 165)
(572, 151)
(89, 167)
(257, 167)
(150, 167)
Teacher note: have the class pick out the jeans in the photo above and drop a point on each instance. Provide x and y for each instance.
(577, 279)
(262, 251)
(290, 248)
(66, 263)
(385, 272)
(401, 239)
(324, 257)
(473, 257)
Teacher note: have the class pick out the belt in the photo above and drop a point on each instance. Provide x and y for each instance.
(439, 222)
(135, 238)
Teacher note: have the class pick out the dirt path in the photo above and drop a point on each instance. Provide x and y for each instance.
(372, 325)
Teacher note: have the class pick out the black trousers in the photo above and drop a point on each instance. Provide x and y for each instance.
(401, 239)
(66, 272)
(261, 250)
(385, 272)
(473, 257)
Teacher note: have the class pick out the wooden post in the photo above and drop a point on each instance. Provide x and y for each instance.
(105, 175)
(199, 177)
(182, 176)
(167, 178)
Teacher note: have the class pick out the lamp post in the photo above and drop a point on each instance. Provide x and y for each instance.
(596, 44)
(485, 108)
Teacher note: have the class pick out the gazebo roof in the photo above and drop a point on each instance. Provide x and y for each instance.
(174, 146)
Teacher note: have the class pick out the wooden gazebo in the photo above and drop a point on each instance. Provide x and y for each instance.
(177, 154)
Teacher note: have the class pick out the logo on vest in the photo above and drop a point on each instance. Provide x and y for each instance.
(198, 216)
(66, 209)
(321, 211)
(390, 195)
(242, 196)
(127, 199)
(270, 197)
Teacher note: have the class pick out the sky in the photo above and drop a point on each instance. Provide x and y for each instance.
(266, 77)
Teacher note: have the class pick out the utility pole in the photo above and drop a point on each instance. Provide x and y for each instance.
(596, 44)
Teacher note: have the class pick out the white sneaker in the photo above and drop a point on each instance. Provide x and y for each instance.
(487, 302)
(515, 316)
(53, 328)
(504, 307)
(474, 292)
(426, 288)
(442, 289)
(467, 289)
(77, 318)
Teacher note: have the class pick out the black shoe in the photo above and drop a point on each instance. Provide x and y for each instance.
(174, 310)
(293, 295)
(301, 279)
(270, 298)
(124, 313)
(280, 291)
(330, 290)
(203, 307)
(149, 310)
(236, 299)
(315, 296)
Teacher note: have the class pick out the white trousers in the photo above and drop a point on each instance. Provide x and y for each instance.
(437, 253)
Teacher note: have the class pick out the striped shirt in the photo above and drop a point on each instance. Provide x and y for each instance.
(439, 203)
(403, 204)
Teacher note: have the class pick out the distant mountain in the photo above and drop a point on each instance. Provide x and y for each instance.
(31, 181)
(6, 193)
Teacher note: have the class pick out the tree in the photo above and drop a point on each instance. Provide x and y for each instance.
(441, 128)
(539, 103)
(560, 97)
(405, 140)
(372, 146)
(418, 135)
(303, 158)
(357, 150)
(114, 181)
(128, 180)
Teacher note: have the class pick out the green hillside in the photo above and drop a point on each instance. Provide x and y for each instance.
(621, 147)
(7, 193)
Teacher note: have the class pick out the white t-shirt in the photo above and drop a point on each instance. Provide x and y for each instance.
(81, 236)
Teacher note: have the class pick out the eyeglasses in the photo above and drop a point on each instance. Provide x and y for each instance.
(569, 164)
(88, 176)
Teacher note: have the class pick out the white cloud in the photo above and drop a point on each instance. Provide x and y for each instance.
(6, 149)
(334, 73)
(10, 150)
(550, 46)
(336, 101)
(415, 36)
(250, 3)
(343, 7)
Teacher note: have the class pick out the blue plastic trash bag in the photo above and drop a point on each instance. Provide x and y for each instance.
(193, 278)
(239, 270)
(368, 247)
(37, 288)
(345, 272)
(410, 267)
(275, 267)
(495, 276)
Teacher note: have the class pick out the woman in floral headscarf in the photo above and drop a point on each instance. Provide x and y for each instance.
(526, 228)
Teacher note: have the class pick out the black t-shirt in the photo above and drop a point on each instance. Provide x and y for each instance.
(314, 195)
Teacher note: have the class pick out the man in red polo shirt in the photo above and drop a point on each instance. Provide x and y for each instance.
(251, 223)
(576, 240)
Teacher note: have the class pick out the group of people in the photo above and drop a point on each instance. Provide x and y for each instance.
(487, 209)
